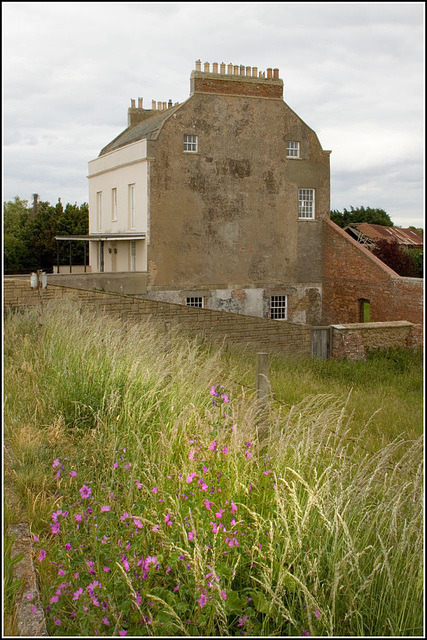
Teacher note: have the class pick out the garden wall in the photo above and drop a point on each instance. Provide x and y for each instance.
(354, 341)
(263, 334)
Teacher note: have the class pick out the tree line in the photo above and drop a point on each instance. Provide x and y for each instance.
(29, 236)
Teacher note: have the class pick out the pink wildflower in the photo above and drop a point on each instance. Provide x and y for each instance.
(30, 596)
(202, 600)
(105, 507)
(137, 522)
(55, 527)
(42, 555)
(138, 485)
(85, 491)
(225, 450)
(224, 595)
(55, 463)
(155, 490)
(213, 391)
(78, 517)
(219, 513)
(224, 396)
(212, 446)
(106, 621)
(122, 632)
(73, 474)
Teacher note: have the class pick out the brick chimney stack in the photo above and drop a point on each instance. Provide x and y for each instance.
(237, 80)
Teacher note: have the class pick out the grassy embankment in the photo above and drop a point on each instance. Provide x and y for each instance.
(161, 513)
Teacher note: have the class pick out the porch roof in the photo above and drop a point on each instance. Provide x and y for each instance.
(104, 237)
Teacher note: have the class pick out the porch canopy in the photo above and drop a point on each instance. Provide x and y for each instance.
(101, 238)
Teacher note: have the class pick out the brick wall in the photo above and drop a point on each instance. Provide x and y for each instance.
(354, 341)
(271, 335)
(351, 273)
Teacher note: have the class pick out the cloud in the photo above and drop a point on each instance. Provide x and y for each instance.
(352, 71)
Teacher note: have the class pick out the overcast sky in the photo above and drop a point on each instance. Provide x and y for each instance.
(354, 72)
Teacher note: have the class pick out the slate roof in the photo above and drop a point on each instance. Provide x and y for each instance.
(148, 129)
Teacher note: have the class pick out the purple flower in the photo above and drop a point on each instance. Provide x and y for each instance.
(42, 555)
(202, 600)
(105, 507)
(85, 491)
(213, 391)
(224, 595)
(73, 474)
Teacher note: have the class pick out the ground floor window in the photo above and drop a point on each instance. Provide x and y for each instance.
(278, 307)
(132, 255)
(194, 301)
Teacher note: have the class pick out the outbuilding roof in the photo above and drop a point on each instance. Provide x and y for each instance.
(373, 232)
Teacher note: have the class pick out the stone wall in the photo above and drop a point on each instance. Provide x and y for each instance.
(351, 273)
(272, 335)
(355, 341)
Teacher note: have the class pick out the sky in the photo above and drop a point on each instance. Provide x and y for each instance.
(353, 72)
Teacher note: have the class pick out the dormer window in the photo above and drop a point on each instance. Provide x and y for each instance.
(292, 149)
(190, 143)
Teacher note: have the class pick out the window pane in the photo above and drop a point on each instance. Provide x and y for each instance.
(278, 307)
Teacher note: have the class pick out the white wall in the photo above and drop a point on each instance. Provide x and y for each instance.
(118, 169)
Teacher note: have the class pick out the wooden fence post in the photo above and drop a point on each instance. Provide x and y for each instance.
(262, 391)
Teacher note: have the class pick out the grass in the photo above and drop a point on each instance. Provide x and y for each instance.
(161, 513)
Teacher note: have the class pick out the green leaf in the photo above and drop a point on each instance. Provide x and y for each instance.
(234, 604)
(260, 602)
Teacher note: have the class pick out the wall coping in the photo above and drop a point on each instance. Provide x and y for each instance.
(373, 325)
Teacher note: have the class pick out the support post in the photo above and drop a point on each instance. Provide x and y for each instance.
(84, 259)
(57, 254)
(262, 390)
(69, 242)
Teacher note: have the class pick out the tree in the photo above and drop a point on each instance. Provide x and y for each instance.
(17, 256)
(360, 214)
(417, 256)
(29, 235)
(397, 258)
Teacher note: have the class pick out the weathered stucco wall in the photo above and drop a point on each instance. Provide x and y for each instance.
(226, 217)
(352, 273)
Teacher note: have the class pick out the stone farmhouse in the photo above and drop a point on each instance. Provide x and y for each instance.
(223, 202)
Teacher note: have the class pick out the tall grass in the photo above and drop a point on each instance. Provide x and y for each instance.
(173, 517)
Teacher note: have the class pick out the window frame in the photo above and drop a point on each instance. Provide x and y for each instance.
(99, 210)
(302, 204)
(297, 149)
(188, 142)
(282, 308)
(194, 298)
(132, 256)
(131, 198)
(114, 204)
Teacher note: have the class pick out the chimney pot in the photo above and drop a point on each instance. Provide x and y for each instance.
(206, 67)
(139, 103)
(169, 103)
(164, 106)
(255, 72)
(230, 69)
(269, 73)
(248, 72)
(222, 68)
(159, 105)
(242, 69)
(153, 104)
(276, 74)
(215, 67)
(236, 70)
(132, 103)
(198, 65)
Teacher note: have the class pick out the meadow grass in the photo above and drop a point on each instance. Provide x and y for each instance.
(158, 509)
